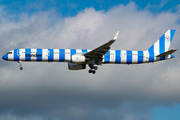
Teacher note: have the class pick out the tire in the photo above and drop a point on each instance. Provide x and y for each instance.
(90, 71)
(21, 68)
(95, 67)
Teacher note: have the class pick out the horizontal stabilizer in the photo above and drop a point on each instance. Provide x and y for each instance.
(166, 53)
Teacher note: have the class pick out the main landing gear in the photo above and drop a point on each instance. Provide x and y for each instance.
(93, 69)
(20, 64)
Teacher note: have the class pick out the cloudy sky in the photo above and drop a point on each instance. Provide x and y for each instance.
(49, 91)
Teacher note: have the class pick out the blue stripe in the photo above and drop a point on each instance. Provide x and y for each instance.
(84, 51)
(151, 54)
(172, 32)
(16, 57)
(73, 52)
(151, 49)
(140, 56)
(117, 56)
(107, 57)
(50, 55)
(162, 44)
(129, 57)
(61, 55)
(28, 54)
(39, 54)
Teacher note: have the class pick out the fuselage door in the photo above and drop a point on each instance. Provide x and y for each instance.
(48, 52)
(18, 52)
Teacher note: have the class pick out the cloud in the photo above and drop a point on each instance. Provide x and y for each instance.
(51, 91)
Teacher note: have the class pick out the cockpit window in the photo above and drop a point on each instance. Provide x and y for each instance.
(9, 53)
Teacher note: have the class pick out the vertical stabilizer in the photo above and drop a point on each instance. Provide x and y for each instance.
(162, 44)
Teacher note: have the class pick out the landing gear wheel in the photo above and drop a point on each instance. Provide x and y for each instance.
(93, 71)
(90, 71)
(20, 65)
(95, 67)
(21, 68)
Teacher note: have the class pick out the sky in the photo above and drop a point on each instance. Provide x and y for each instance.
(49, 91)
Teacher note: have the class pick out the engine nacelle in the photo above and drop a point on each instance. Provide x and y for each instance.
(74, 66)
(78, 58)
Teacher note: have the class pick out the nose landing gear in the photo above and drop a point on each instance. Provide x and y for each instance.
(20, 64)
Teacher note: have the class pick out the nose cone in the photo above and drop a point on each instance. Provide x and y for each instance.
(5, 57)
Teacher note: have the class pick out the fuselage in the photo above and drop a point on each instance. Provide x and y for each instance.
(65, 55)
(77, 59)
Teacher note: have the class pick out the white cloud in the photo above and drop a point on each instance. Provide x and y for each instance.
(43, 88)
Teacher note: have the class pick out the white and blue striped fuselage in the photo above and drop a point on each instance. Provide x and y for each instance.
(65, 55)
(78, 58)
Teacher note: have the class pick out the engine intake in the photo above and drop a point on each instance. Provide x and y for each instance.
(74, 66)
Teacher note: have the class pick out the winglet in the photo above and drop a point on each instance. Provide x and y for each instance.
(115, 37)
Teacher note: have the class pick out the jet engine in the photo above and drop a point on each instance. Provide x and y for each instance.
(74, 66)
(78, 58)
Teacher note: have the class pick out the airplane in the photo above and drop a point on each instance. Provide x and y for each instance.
(78, 58)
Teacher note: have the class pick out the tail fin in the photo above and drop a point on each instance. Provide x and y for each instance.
(162, 44)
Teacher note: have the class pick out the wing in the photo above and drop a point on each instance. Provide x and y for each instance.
(100, 51)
